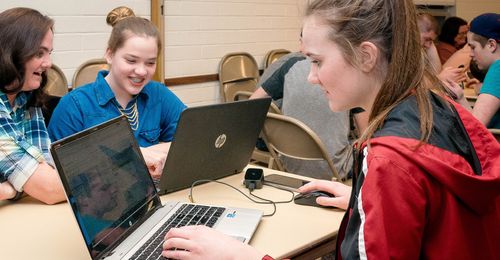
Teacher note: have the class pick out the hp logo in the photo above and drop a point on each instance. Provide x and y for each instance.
(220, 141)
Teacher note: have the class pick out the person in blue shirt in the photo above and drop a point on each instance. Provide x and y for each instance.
(127, 89)
(484, 39)
(25, 162)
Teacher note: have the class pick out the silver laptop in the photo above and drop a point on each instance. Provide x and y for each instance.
(115, 202)
(212, 142)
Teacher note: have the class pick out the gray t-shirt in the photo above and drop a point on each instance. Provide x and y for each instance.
(307, 103)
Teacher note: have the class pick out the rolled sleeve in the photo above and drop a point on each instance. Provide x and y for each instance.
(18, 161)
(22, 172)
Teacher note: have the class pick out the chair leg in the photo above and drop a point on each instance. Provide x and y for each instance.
(271, 165)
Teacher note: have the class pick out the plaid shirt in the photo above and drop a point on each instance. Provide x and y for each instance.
(24, 141)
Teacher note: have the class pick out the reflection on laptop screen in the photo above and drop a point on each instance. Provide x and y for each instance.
(109, 185)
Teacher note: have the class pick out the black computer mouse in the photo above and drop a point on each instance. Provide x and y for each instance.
(309, 199)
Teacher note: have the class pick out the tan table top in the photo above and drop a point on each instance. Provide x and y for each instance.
(31, 230)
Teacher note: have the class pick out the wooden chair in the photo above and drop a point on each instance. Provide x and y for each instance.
(87, 72)
(57, 85)
(238, 71)
(290, 137)
(274, 55)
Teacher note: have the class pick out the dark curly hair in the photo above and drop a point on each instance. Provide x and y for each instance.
(22, 31)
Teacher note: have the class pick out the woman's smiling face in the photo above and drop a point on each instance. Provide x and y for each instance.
(38, 64)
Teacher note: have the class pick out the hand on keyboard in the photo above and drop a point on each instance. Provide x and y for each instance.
(186, 215)
(201, 242)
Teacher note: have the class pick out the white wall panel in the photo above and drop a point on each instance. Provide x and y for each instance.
(197, 32)
(209, 29)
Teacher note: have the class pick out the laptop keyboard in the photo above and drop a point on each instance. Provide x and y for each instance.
(186, 215)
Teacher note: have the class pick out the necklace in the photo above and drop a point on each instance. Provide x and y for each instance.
(132, 115)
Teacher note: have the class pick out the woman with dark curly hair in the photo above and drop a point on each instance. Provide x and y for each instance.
(452, 38)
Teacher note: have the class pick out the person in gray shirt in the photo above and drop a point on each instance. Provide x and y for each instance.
(286, 80)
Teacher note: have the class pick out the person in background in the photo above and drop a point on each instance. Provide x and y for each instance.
(426, 175)
(428, 27)
(453, 37)
(286, 80)
(25, 162)
(127, 89)
(484, 40)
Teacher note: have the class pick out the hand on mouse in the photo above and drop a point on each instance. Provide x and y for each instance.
(341, 191)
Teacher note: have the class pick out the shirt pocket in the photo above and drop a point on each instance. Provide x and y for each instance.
(150, 136)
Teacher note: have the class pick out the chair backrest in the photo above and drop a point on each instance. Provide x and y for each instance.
(274, 55)
(57, 85)
(290, 137)
(244, 95)
(87, 72)
(49, 106)
(496, 133)
(237, 72)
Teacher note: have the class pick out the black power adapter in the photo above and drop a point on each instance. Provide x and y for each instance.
(254, 178)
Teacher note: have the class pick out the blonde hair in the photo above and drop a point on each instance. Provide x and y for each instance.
(391, 26)
(427, 23)
(117, 14)
(126, 24)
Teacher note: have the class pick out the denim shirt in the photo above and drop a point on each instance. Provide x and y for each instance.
(158, 111)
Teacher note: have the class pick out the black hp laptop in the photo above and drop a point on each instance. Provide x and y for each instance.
(115, 203)
(213, 141)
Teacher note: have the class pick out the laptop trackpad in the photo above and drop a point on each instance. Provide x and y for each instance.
(231, 221)
(241, 239)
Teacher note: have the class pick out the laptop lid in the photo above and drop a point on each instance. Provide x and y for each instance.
(106, 182)
(212, 142)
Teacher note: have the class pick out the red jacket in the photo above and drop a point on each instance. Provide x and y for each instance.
(440, 201)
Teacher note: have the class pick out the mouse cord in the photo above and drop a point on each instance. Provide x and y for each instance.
(265, 201)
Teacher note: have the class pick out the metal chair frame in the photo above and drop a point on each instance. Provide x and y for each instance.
(238, 71)
(274, 55)
(290, 137)
(57, 84)
(87, 72)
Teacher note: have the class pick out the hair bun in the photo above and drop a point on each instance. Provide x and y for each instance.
(118, 14)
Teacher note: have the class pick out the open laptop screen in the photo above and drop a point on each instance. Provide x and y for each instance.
(106, 181)
(213, 141)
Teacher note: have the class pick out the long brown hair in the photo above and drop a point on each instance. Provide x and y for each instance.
(391, 26)
(22, 31)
